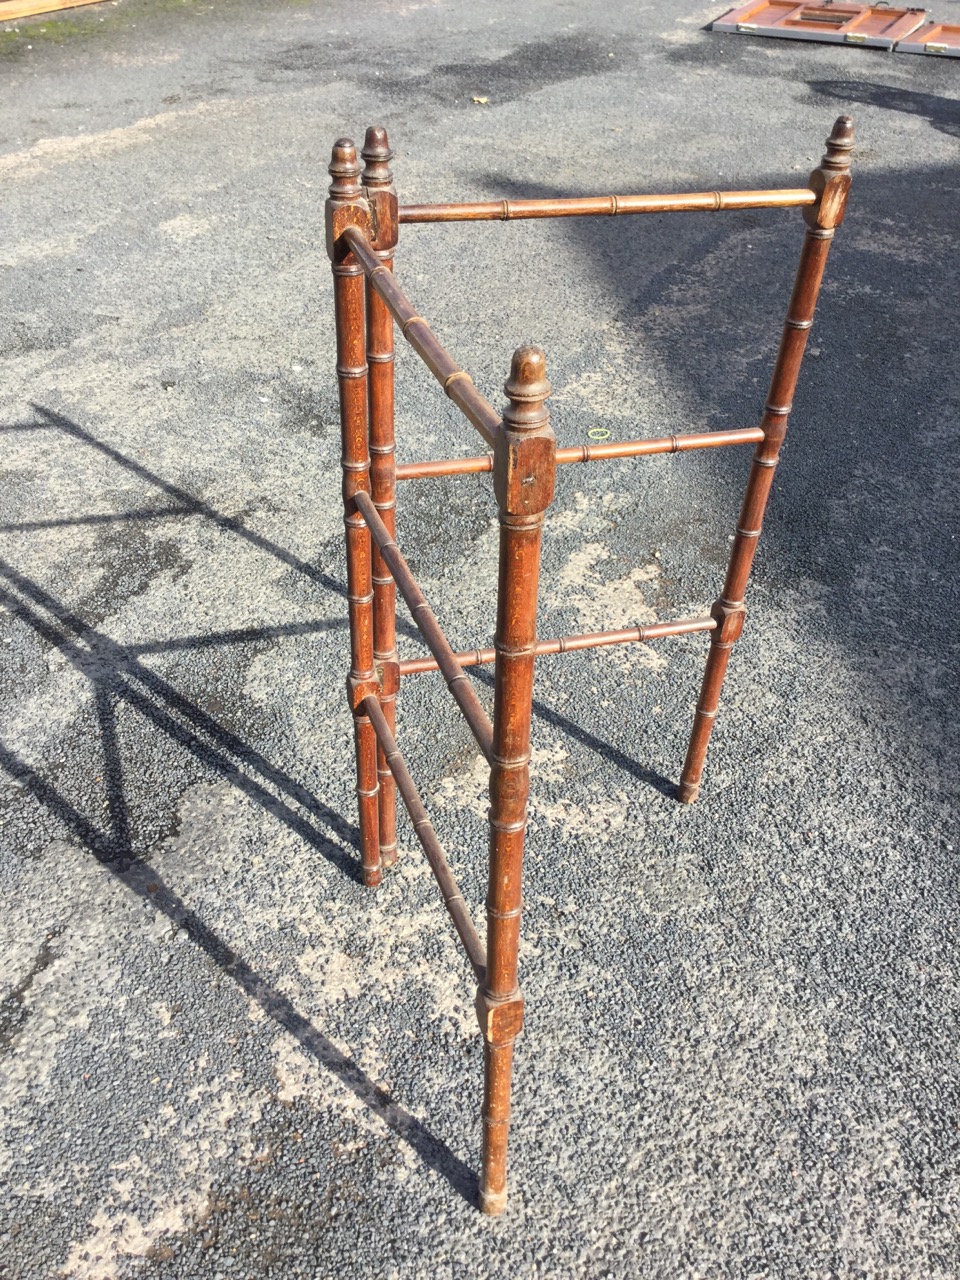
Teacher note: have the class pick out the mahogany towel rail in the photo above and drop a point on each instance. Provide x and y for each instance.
(362, 223)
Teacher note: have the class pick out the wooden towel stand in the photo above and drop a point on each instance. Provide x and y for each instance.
(362, 223)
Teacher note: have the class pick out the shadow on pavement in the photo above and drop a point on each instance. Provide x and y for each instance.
(942, 113)
(118, 676)
(189, 505)
(140, 878)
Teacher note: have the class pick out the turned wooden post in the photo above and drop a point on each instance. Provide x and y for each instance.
(831, 182)
(381, 197)
(523, 478)
(347, 207)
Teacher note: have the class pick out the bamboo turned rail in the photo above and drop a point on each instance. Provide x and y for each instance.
(570, 644)
(429, 627)
(362, 225)
(588, 452)
(453, 899)
(456, 383)
(586, 206)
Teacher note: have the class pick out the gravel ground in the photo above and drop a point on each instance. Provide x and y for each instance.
(220, 1056)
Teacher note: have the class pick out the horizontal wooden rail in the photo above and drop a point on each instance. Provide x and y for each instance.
(455, 381)
(584, 206)
(662, 444)
(445, 467)
(568, 644)
(588, 452)
(453, 899)
(426, 620)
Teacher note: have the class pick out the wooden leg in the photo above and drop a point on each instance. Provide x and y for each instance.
(831, 181)
(365, 746)
(525, 461)
(730, 624)
(348, 292)
(378, 187)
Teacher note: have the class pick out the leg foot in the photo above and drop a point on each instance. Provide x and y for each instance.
(498, 1063)
(493, 1203)
(687, 792)
(368, 794)
(388, 855)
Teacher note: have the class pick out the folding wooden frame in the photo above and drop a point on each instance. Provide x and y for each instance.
(362, 223)
(877, 26)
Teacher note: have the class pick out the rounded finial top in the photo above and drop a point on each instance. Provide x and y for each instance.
(344, 169)
(377, 156)
(839, 144)
(528, 375)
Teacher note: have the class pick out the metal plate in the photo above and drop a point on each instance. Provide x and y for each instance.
(877, 26)
(942, 39)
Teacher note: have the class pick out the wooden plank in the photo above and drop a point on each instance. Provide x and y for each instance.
(10, 9)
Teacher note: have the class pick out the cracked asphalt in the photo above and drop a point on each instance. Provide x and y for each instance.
(221, 1056)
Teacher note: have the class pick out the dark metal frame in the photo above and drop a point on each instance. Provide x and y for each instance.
(363, 219)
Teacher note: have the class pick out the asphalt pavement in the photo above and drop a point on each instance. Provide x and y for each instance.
(220, 1055)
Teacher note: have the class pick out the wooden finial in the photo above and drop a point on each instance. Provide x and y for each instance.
(526, 389)
(839, 146)
(831, 181)
(524, 447)
(344, 170)
(378, 189)
(377, 156)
